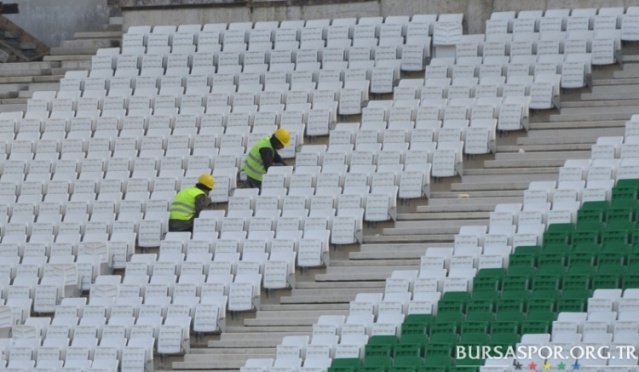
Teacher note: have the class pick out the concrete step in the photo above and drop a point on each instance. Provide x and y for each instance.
(270, 329)
(375, 263)
(252, 343)
(510, 189)
(215, 362)
(335, 291)
(61, 51)
(329, 285)
(16, 80)
(629, 71)
(89, 43)
(407, 239)
(397, 247)
(543, 155)
(489, 207)
(468, 203)
(316, 300)
(618, 114)
(27, 68)
(71, 57)
(248, 335)
(78, 64)
(112, 28)
(596, 110)
(618, 80)
(490, 187)
(534, 159)
(505, 182)
(430, 227)
(384, 255)
(533, 148)
(227, 350)
(116, 21)
(356, 273)
(577, 124)
(13, 107)
(284, 307)
(284, 314)
(509, 171)
(299, 320)
(390, 251)
(611, 93)
(440, 216)
(98, 35)
(625, 102)
(13, 101)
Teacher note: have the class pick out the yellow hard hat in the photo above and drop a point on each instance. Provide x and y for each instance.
(207, 180)
(283, 136)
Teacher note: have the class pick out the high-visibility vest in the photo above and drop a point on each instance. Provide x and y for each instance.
(254, 166)
(183, 206)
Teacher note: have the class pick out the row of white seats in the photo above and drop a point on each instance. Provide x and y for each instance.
(410, 57)
(272, 31)
(599, 169)
(295, 24)
(616, 147)
(252, 61)
(133, 144)
(549, 42)
(133, 354)
(463, 70)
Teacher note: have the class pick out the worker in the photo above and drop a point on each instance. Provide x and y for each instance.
(189, 202)
(264, 155)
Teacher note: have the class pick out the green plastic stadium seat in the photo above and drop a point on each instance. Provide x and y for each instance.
(504, 327)
(545, 294)
(377, 361)
(548, 282)
(571, 305)
(511, 305)
(535, 326)
(444, 338)
(438, 349)
(470, 327)
(414, 362)
(408, 350)
(480, 316)
(510, 316)
(515, 294)
(479, 306)
(540, 304)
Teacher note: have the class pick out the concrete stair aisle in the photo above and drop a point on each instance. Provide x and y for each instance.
(19, 80)
(18, 45)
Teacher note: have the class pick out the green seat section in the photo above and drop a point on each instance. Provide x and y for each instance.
(599, 251)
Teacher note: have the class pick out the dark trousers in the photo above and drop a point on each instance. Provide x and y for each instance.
(180, 225)
(253, 183)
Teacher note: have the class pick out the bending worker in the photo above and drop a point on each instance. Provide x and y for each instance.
(189, 202)
(264, 155)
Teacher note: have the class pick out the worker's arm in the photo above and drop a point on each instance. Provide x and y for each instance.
(267, 157)
(278, 159)
(201, 203)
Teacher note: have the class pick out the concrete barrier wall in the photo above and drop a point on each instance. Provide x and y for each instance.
(476, 12)
(53, 21)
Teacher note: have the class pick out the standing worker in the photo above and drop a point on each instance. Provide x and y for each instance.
(264, 155)
(189, 202)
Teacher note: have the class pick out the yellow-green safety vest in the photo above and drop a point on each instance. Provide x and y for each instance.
(183, 206)
(253, 166)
